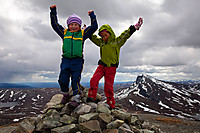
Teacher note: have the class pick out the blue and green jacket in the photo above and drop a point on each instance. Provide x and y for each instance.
(73, 41)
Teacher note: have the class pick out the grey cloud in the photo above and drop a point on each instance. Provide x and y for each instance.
(36, 29)
(167, 38)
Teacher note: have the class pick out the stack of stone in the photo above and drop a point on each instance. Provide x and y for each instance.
(86, 118)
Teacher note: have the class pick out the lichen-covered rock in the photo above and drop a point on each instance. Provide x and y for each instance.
(10, 129)
(86, 118)
(122, 115)
(146, 131)
(115, 124)
(54, 103)
(55, 100)
(66, 119)
(82, 109)
(107, 118)
(103, 109)
(90, 127)
(110, 131)
(124, 130)
(51, 122)
(72, 128)
(25, 127)
(134, 118)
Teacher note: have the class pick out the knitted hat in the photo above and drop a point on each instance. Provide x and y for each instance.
(74, 19)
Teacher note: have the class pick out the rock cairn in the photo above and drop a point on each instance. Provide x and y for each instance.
(86, 118)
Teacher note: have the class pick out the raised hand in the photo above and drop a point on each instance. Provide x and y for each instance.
(53, 6)
(138, 25)
(89, 12)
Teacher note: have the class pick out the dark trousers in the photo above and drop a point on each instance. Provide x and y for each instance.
(71, 67)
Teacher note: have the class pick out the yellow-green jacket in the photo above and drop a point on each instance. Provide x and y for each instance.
(110, 50)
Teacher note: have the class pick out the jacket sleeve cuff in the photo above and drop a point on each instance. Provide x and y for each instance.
(92, 14)
(132, 29)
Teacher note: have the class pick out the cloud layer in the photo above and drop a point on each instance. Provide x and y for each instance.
(167, 45)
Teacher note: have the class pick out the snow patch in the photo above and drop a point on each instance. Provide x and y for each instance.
(160, 103)
(147, 109)
(11, 94)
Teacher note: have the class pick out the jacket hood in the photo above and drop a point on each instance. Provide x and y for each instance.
(109, 29)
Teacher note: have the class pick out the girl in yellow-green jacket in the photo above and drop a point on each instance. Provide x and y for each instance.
(109, 51)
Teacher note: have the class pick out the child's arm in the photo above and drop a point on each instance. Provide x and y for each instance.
(127, 33)
(96, 40)
(54, 22)
(91, 29)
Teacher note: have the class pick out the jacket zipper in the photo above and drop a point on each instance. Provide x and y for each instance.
(72, 45)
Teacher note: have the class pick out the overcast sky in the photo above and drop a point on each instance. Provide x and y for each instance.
(166, 47)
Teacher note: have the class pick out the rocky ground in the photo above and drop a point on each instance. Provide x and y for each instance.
(171, 124)
(166, 124)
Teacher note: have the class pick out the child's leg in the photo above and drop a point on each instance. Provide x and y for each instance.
(64, 75)
(76, 70)
(94, 82)
(108, 85)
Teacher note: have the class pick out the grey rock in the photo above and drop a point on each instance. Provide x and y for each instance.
(146, 131)
(9, 129)
(122, 115)
(134, 119)
(51, 122)
(124, 130)
(92, 104)
(87, 117)
(110, 131)
(72, 128)
(103, 109)
(82, 109)
(66, 119)
(66, 110)
(126, 126)
(107, 118)
(25, 127)
(90, 127)
(55, 100)
(115, 124)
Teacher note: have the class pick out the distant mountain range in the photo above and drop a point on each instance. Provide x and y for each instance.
(35, 85)
(149, 94)
(146, 94)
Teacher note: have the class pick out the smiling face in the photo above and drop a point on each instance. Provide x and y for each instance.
(105, 35)
(74, 27)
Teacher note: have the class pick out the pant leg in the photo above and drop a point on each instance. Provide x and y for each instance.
(108, 85)
(94, 82)
(64, 76)
(76, 70)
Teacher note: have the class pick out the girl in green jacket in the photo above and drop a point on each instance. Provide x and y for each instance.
(109, 51)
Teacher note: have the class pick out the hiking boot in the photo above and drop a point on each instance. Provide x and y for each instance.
(90, 99)
(74, 101)
(115, 108)
(73, 104)
(66, 98)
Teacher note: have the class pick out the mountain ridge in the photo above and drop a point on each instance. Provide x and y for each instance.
(149, 94)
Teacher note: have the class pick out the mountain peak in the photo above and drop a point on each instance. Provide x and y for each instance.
(162, 97)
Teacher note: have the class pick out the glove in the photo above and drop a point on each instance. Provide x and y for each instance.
(138, 25)
(53, 6)
(89, 12)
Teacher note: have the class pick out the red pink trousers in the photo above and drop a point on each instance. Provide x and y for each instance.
(109, 76)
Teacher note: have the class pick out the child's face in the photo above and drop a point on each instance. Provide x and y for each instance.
(74, 27)
(105, 35)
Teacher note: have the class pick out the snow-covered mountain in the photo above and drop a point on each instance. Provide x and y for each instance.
(19, 103)
(149, 94)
